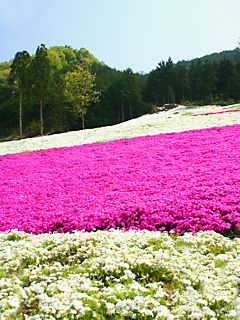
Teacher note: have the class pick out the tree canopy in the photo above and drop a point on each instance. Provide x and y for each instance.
(19, 75)
(41, 71)
(80, 90)
(44, 90)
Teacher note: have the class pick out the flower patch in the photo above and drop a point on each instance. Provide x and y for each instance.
(119, 275)
(207, 113)
(186, 181)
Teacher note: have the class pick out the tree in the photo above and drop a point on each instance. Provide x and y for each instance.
(19, 71)
(42, 77)
(181, 82)
(80, 90)
(209, 78)
(225, 74)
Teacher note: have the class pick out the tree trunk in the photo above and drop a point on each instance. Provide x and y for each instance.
(190, 94)
(41, 117)
(173, 96)
(179, 96)
(20, 113)
(83, 127)
(211, 96)
(122, 113)
(183, 97)
(118, 114)
(130, 109)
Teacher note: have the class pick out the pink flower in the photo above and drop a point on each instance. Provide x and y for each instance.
(204, 114)
(186, 181)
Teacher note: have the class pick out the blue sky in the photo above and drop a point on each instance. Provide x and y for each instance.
(122, 33)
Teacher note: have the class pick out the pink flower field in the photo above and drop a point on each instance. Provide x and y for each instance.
(207, 113)
(186, 181)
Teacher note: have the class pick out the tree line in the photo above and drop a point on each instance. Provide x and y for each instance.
(36, 74)
(200, 82)
(61, 89)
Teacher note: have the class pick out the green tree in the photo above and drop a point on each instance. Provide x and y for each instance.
(41, 78)
(80, 90)
(19, 74)
(181, 82)
(209, 79)
(130, 93)
(225, 76)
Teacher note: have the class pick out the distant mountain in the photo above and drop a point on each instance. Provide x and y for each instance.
(232, 55)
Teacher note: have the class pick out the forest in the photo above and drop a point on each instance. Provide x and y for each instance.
(63, 89)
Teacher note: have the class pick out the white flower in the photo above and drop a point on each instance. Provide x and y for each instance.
(146, 312)
(162, 311)
(110, 308)
(233, 313)
(160, 293)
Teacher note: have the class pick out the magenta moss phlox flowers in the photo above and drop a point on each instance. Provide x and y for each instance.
(207, 113)
(186, 181)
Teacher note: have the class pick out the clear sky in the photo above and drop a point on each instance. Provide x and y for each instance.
(123, 33)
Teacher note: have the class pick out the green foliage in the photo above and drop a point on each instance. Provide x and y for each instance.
(121, 94)
(199, 83)
(41, 69)
(4, 71)
(19, 75)
(32, 128)
(19, 72)
(80, 91)
(124, 95)
(231, 55)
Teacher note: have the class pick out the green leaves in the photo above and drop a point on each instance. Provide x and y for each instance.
(19, 69)
(19, 75)
(80, 90)
(41, 71)
(42, 75)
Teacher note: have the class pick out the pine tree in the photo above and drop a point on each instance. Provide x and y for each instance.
(41, 78)
(19, 75)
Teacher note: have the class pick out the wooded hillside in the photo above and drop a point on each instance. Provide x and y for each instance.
(122, 95)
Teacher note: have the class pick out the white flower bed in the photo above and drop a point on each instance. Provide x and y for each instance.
(163, 122)
(119, 275)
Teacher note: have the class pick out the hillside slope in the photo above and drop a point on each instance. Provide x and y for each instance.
(232, 55)
(175, 120)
